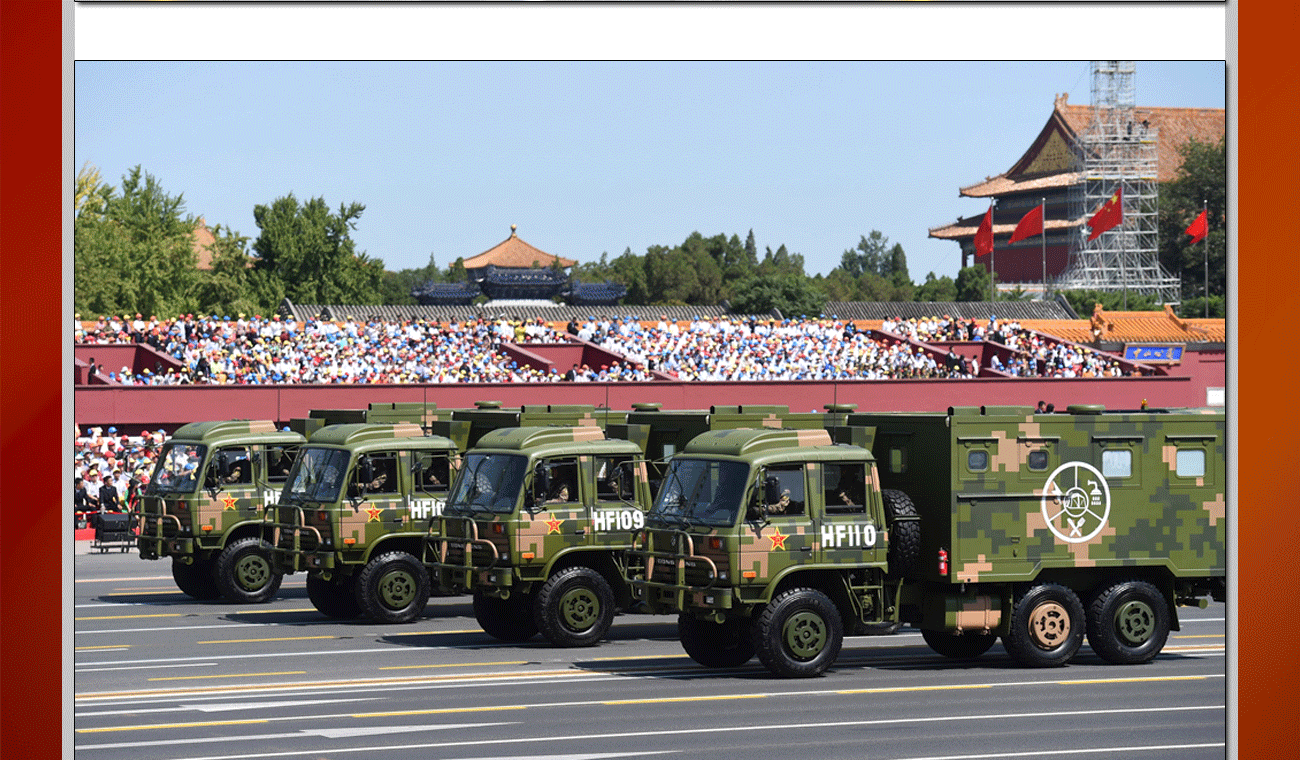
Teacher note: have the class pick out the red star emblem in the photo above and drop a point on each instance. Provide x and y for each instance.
(552, 526)
(778, 540)
(374, 514)
(228, 502)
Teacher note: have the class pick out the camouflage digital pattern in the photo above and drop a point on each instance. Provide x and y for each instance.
(187, 510)
(311, 534)
(519, 542)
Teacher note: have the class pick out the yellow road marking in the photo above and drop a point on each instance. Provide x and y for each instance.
(131, 617)
(647, 657)
(453, 665)
(171, 725)
(1202, 636)
(105, 646)
(1134, 680)
(231, 675)
(669, 700)
(441, 712)
(254, 641)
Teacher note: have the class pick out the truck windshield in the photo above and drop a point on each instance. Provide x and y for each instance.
(489, 481)
(701, 490)
(178, 468)
(317, 475)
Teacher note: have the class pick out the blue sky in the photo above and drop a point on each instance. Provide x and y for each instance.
(592, 158)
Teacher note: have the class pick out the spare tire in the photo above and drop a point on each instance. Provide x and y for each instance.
(904, 533)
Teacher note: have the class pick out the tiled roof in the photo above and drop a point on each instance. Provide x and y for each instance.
(1135, 327)
(515, 253)
(1176, 127)
(964, 310)
(967, 227)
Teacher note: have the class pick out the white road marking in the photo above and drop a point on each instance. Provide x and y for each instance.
(326, 733)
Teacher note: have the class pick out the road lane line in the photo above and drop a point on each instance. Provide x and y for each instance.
(230, 675)
(672, 700)
(131, 617)
(147, 667)
(259, 641)
(453, 665)
(155, 726)
(440, 711)
(605, 737)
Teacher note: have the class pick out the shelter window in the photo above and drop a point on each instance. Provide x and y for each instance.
(1190, 463)
(1117, 463)
(977, 460)
(1037, 460)
(897, 460)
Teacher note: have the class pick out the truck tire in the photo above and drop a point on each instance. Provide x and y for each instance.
(195, 580)
(505, 619)
(798, 634)
(964, 646)
(335, 597)
(1128, 623)
(393, 588)
(716, 645)
(1047, 626)
(904, 535)
(244, 572)
(574, 608)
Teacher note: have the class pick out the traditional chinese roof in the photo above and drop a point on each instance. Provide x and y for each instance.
(1046, 164)
(514, 253)
(967, 226)
(1134, 327)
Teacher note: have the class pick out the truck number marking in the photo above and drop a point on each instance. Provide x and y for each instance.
(848, 536)
(1076, 502)
(422, 509)
(270, 496)
(620, 519)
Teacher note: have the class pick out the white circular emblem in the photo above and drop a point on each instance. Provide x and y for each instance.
(1076, 502)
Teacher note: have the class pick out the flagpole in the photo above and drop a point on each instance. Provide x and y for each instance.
(993, 259)
(1205, 208)
(1044, 236)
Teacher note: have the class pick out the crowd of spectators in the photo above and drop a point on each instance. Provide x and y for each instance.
(258, 350)
(110, 468)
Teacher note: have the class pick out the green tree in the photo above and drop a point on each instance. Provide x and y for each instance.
(973, 284)
(870, 255)
(894, 267)
(792, 294)
(1083, 301)
(232, 286)
(936, 289)
(1200, 183)
(133, 250)
(309, 249)
(397, 286)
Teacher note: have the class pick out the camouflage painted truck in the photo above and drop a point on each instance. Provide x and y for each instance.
(548, 513)
(205, 501)
(203, 507)
(981, 523)
(355, 514)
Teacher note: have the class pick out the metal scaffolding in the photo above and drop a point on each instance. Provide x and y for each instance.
(1117, 150)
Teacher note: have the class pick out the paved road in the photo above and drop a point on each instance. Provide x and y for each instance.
(161, 676)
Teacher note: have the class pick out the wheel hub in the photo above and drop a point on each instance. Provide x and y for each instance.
(1135, 622)
(397, 589)
(579, 609)
(1049, 625)
(805, 634)
(252, 572)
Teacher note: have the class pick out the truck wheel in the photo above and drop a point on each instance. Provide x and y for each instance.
(335, 597)
(716, 645)
(965, 646)
(505, 619)
(904, 536)
(1128, 623)
(1047, 626)
(799, 634)
(244, 572)
(574, 608)
(393, 588)
(195, 580)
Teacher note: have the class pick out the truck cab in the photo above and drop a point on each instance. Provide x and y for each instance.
(535, 526)
(203, 507)
(353, 515)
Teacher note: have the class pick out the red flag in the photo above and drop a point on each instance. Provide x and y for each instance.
(1031, 224)
(1109, 215)
(984, 235)
(1199, 228)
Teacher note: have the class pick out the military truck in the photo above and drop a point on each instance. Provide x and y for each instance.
(208, 518)
(539, 561)
(535, 526)
(203, 507)
(359, 533)
(981, 523)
